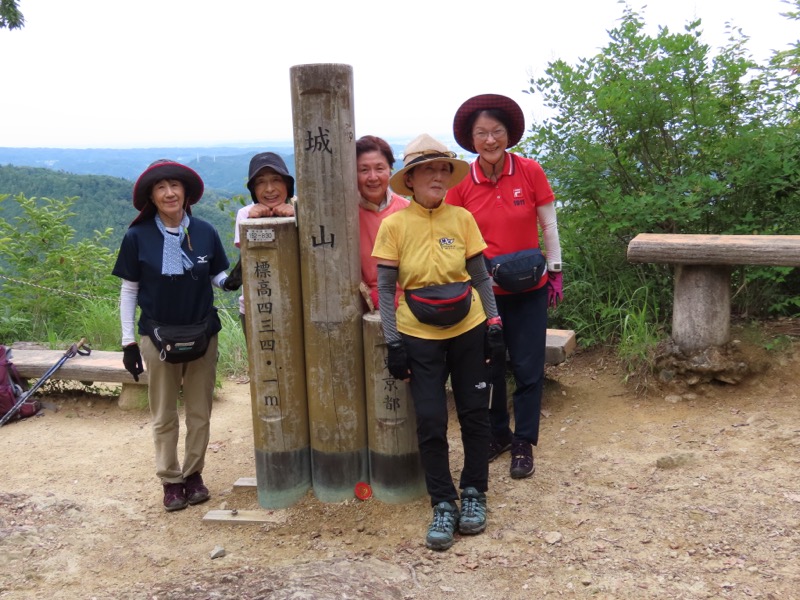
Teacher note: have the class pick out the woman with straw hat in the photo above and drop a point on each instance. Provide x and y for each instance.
(440, 329)
(168, 262)
(511, 199)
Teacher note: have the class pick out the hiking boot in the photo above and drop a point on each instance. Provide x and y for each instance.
(196, 491)
(497, 446)
(443, 526)
(473, 511)
(521, 460)
(174, 497)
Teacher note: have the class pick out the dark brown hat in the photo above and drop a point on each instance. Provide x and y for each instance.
(159, 170)
(515, 123)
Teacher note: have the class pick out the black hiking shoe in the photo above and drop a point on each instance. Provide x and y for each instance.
(498, 446)
(521, 460)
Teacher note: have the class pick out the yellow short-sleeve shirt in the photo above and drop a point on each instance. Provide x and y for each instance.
(431, 247)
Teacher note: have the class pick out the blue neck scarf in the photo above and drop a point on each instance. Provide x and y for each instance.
(174, 259)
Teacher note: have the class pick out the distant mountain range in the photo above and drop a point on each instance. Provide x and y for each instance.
(223, 168)
(102, 180)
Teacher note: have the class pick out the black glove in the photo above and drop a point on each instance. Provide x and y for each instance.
(397, 362)
(234, 281)
(132, 359)
(495, 346)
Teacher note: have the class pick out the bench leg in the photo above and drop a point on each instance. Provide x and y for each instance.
(133, 397)
(702, 307)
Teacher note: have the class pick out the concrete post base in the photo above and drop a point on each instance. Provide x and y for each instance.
(702, 309)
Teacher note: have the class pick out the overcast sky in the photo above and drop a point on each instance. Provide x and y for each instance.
(157, 73)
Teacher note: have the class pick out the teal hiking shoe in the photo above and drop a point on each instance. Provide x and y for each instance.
(443, 526)
(473, 511)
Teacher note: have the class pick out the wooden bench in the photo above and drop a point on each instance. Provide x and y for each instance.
(702, 295)
(99, 366)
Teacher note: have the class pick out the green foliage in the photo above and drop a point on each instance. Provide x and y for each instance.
(10, 17)
(57, 290)
(102, 202)
(657, 134)
(48, 278)
(232, 345)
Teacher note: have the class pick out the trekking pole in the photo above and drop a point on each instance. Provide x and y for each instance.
(71, 351)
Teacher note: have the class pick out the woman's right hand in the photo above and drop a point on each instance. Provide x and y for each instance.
(132, 359)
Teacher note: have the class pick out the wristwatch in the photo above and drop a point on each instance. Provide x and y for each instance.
(555, 268)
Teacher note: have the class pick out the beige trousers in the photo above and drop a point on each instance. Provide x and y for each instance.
(197, 378)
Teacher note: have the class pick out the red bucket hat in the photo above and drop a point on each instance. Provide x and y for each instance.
(159, 170)
(515, 123)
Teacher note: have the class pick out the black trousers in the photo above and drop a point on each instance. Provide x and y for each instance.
(525, 332)
(463, 359)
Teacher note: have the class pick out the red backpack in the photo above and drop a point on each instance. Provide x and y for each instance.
(12, 386)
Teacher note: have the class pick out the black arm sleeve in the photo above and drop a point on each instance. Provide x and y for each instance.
(481, 282)
(387, 284)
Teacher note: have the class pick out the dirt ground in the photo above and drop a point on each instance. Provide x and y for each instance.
(687, 492)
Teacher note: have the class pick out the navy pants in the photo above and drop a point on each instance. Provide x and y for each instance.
(431, 361)
(525, 331)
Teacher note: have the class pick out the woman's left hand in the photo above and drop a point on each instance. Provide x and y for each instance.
(495, 345)
(555, 288)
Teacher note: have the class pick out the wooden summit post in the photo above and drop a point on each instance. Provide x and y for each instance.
(325, 157)
(395, 469)
(273, 313)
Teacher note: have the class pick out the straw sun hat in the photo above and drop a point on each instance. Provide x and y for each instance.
(423, 149)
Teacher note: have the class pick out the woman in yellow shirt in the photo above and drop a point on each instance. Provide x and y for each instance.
(440, 329)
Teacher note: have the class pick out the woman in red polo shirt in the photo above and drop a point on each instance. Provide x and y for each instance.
(511, 200)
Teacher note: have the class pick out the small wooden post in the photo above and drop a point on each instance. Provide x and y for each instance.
(273, 313)
(395, 469)
(324, 142)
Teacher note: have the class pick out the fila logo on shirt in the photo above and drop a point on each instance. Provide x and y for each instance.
(446, 243)
(519, 200)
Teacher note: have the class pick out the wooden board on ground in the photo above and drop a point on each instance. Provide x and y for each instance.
(245, 482)
(245, 517)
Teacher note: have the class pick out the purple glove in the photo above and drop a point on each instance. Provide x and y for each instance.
(555, 288)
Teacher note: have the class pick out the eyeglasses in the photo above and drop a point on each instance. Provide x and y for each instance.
(484, 135)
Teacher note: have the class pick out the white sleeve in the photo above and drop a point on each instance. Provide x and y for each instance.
(128, 298)
(546, 214)
(219, 279)
(241, 215)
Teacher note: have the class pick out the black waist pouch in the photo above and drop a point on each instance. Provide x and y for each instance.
(440, 305)
(517, 271)
(180, 343)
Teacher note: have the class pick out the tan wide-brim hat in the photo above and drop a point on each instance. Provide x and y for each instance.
(422, 149)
